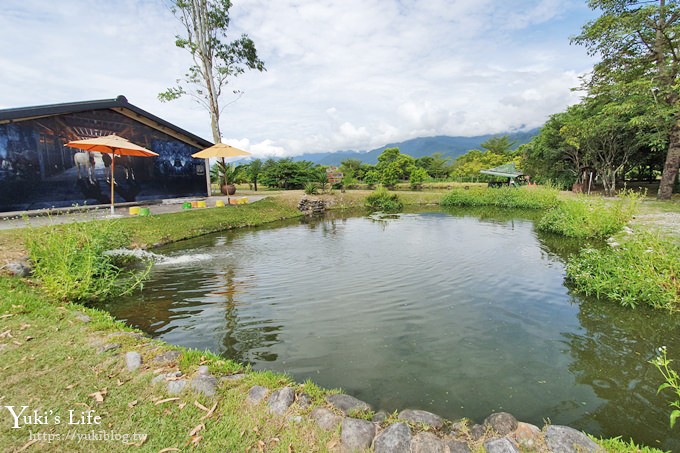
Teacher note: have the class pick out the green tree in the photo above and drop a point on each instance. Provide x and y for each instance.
(254, 169)
(287, 174)
(439, 166)
(393, 166)
(468, 166)
(550, 157)
(604, 136)
(418, 176)
(215, 60)
(499, 145)
(371, 177)
(640, 57)
(350, 164)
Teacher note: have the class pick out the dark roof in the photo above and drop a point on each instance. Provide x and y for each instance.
(119, 104)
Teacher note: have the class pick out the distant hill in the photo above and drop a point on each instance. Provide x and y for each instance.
(418, 147)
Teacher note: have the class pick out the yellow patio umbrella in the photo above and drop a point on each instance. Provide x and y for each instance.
(219, 150)
(115, 145)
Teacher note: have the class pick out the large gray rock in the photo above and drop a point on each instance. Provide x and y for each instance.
(325, 418)
(166, 357)
(501, 422)
(527, 436)
(477, 432)
(357, 434)
(281, 400)
(458, 446)
(204, 382)
(563, 439)
(82, 317)
(427, 443)
(379, 416)
(166, 377)
(21, 268)
(176, 387)
(423, 417)
(304, 400)
(347, 403)
(395, 439)
(502, 445)
(133, 360)
(256, 394)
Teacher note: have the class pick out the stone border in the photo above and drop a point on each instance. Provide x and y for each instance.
(411, 431)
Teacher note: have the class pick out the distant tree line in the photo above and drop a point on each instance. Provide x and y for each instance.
(393, 167)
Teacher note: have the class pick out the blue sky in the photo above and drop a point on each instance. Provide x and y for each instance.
(341, 74)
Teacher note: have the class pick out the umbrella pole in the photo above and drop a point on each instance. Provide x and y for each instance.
(113, 172)
(207, 176)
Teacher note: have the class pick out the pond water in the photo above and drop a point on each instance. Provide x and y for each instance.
(459, 313)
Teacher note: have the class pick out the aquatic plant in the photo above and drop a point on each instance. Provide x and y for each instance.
(672, 381)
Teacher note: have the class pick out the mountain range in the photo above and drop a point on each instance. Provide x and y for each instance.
(418, 147)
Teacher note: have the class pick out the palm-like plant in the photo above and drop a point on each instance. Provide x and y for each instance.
(224, 173)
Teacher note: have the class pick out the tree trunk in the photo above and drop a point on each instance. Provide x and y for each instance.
(670, 168)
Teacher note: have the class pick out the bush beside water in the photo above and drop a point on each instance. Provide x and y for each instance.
(643, 270)
(383, 200)
(585, 217)
(503, 197)
(71, 264)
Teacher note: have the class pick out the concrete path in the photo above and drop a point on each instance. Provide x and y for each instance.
(12, 220)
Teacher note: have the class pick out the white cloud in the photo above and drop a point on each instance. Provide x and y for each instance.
(341, 74)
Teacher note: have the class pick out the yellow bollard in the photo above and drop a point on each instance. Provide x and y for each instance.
(133, 210)
(219, 203)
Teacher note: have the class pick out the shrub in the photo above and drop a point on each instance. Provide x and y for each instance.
(71, 263)
(642, 270)
(311, 188)
(586, 217)
(503, 197)
(383, 200)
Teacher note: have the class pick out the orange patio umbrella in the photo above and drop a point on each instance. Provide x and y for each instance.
(115, 145)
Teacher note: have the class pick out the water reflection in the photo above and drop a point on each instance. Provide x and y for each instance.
(611, 355)
(462, 312)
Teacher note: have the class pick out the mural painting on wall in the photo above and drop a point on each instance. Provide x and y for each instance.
(37, 171)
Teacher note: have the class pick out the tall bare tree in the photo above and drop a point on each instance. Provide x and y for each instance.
(216, 59)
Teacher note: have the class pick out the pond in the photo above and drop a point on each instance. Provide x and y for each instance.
(460, 313)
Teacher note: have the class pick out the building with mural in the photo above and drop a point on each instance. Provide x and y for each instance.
(37, 171)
